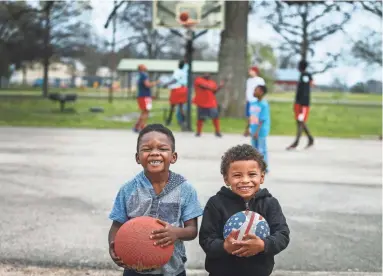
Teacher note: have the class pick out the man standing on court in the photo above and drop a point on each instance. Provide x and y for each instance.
(178, 93)
(206, 102)
(302, 105)
(252, 82)
(144, 97)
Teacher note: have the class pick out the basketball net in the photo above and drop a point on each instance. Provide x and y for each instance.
(188, 25)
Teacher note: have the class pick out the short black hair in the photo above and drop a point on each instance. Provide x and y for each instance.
(302, 65)
(157, 128)
(181, 64)
(241, 153)
(263, 88)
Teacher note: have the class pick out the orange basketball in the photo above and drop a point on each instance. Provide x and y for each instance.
(184, 16)
(136, 250)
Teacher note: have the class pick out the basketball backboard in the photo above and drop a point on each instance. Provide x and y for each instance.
(207, 14)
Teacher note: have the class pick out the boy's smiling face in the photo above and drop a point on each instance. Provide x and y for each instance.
(155, 152)
(245, 178)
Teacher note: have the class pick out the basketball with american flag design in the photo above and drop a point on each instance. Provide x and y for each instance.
(247, 222)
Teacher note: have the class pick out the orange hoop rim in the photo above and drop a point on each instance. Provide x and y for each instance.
(188, 24)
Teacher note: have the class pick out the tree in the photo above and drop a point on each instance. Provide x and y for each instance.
(286, 62)
(302, 24)
(20, 36)
(369, 47)
(65, 32)
(232, 58)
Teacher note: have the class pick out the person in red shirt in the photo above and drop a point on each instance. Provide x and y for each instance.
(206, 102)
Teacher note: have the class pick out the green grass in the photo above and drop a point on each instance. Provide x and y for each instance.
(164, 93)
(336, 95)
(325, 120)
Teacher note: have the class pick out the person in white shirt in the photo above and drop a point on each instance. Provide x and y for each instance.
(179, 90)
(252, 82)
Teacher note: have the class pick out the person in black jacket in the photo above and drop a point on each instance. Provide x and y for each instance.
(243, 170)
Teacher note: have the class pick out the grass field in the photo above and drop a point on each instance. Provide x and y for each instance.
(325, 120)
(316, 95)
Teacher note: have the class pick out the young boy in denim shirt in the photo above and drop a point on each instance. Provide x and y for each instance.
(160, 193)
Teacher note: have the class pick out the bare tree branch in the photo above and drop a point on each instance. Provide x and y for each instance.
(296, 21)
(373, 7)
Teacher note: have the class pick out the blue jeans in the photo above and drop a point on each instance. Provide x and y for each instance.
(261, 145)
(134, 273)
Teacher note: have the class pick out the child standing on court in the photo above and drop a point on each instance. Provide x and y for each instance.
(259, 121)
(160, 193)
(243, 170)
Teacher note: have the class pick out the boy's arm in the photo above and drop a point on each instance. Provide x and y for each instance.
(210, 236)
(113, 230)
(279, 230)
(191, 209)
(264, 114)
(256, 133)
(189, 232)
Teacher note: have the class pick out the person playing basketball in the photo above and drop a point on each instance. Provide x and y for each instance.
(252, 82)
(179, 91)
(302, 105)
(144, 97)
(206, 102)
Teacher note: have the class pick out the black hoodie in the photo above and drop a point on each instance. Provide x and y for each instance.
(218, 210)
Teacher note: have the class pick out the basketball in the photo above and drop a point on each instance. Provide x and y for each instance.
(247, 222)
(184, 16)
(136, 250)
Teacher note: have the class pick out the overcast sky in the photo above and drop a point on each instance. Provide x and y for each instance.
(262, 32)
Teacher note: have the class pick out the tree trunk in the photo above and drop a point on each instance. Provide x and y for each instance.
(305, 41)
(47, 48)
(233, 59)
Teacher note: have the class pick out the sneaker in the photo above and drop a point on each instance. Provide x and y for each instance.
(292, 146)
(198, 134)
(218, 134)
(310, 144)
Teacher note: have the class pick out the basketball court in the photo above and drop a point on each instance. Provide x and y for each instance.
(58, 186)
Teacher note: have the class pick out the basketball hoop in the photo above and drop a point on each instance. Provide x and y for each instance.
(189, 23)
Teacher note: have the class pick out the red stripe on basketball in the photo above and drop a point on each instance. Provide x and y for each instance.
(250, 223)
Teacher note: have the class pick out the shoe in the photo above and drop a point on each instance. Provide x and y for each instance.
(310, 144)
(135, 130)
(218, 134)
(198, 134)
(292, 147)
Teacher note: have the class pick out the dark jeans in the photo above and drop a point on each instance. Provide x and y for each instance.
(134, 273)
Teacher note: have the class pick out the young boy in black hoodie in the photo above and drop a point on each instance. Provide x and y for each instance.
(243, 170)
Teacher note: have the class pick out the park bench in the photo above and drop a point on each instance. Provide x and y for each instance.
(62, 99)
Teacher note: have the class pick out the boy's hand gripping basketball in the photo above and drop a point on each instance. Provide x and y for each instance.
(229, 245)
(114, 257)
(251, 245)
(165, 236)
